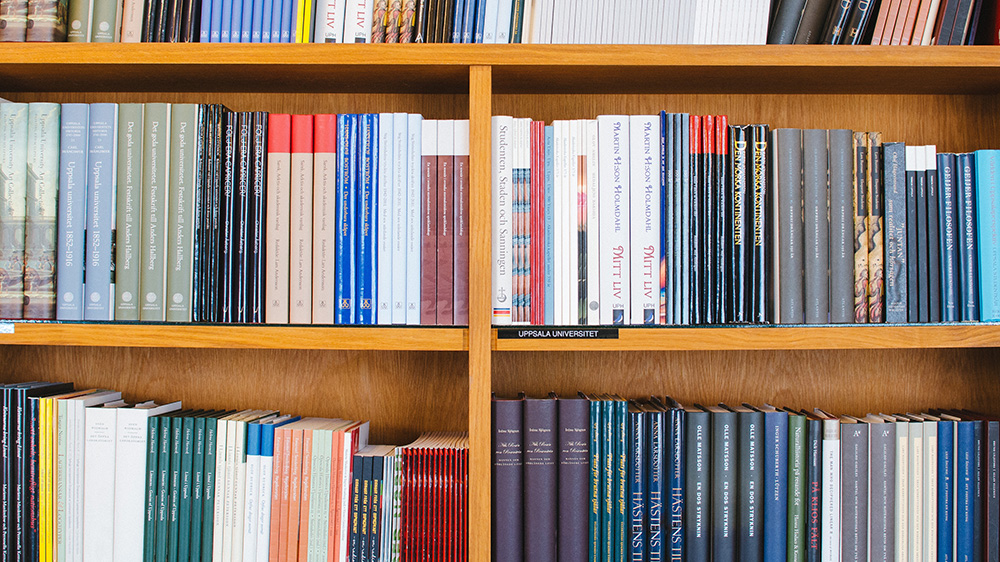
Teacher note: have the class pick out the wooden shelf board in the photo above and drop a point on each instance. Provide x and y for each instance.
(772, 338)
(234, 336)
(444, 68)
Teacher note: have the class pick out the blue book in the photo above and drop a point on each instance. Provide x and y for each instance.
(274, 35)
(73, 141)
(459, 20)
(895, 265)
(594, 485)
(946, 489)
(226, 22)
(751, 475)
(675, 480)
(965, 483)
(666, 221)
(236, 27)
(685, 217)
(469, 20)
(949, 238)
(246, 27)
(637, 440)
(621, 486)
(205, 31)
(607, 535)
(285, 27)
(978, 487)
(267, 14)
(775, 483)
(477, 34)
(657, 522)
(967, 244)
(256, 21)
(366, 227)
(723, 483)
(347, 133)
(987, 207)
(101, 166)
(549, 238)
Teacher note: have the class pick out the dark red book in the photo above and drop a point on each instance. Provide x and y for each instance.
(428, 222)
(697, 210)
(710, 224)
(445, 225)
(461, 223)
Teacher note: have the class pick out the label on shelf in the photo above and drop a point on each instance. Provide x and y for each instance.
(568, 333)
(6, 327)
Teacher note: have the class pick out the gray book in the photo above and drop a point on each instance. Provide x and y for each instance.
(13, 188)
(155, 172)
(786, 21)
(128, 250)
(854, 490)
(100, 265)
(894, 178)
(790, 226)
(106, 21)
(816, 211)
(73, 150)
(78, 30)
(841, 227)
(184, 140)
(42, 207)
(881, 489)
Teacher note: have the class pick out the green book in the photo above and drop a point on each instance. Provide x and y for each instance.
(152, 482)
(42, 188)
(197, 485)
(79, 21)
(13, 188)
(796, 541)
(163, 488)
(128, 200)
(184, 509)
(155, 143)
(106, 24)
(173, 517)
(184, 139)
(208, 515)
(595, 480)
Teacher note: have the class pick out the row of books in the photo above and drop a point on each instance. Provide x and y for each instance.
(185, 212)
(597, 477)
(682, 219)
(885, 22)
(88, 476)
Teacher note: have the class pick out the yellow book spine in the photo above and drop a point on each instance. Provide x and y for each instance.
(53, 414)
(43, 475)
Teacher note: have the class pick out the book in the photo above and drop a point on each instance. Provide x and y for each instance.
(949, 235)
(790, 225)
(445, 215)
(615, 255)
(429, 199)
(967, 254)
(816, 211)
(365, 241)
(986, 162)
(896, 251)
(278, 241)
(14, 142)
(184, 171)
(508, 461)
(876, 235)
(541, 477)
(128, 253)
(384, 218)
(73, 139)
(861, 238)
(461, 223)
(324, 213)
(841, 226)
(101, 188)
(855, 491)
(42, 174)
(643, 233)
(301, 193)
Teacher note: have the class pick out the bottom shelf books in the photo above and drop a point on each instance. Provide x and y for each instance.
(601, 478)
(90, 477)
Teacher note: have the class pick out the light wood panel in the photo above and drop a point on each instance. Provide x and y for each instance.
(402, 393)
(777, 338)
(233, 336)
(844, 381)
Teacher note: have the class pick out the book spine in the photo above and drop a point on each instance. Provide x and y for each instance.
(989, 247)
(184, 494)
(854, 494)
(98, 484)
(197, 488)
(508, 462)
(841, 226)
(644, 236)
(540, 479)
(967, 256)
(100, 212)
(153, 217)
(46, 22)
(814, 486)
(429, 195)
(399, 212)
(548, 204)
(752, 503)
(810, 30)
(830, 539)
(860, 207)
(923, 265)
(256, 217)
(13, 167)
(607, 535)
(265, 497)
(620, 476)
(736, 235)
(723, 505)
(881, 501)
(73, 141)
(365, 241)
(324, 209)
(383, 221)
(105, 16)
(300, 290)
(760, 257)
(174, 496)
(912, 248)
(896, 283)
(347, 133)
(949, 236)
(636, 536)
(775, 484)
(591, 216)
(836, 30)
(790, 225)
(656, 474)
(965, 501)
(786, 21)
(797, 489)
(858, 23)
(461, 223)
(41, 210)
(816, 211)
(128, 259)
(876, 231)
(180, 214)
(414, 130)
(946, 472)
(614, 189)
(445, 261)
(677, 480)
(226, 276)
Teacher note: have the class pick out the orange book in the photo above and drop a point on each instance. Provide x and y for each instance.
(918, 28)
(280, 466)
(903, 20)
(336, 464)
(290, 501)
(911, 20)
(886, 19)
(305, 493)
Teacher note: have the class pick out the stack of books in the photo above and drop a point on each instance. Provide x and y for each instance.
(679, 219)
(89, 476)
(187, 212)
(599, 477)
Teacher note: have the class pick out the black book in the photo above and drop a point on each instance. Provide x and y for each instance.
(739, 229)
(164, 11)
(657, 471)
(228, 216)
(709, 236)
(963, 16)
(787, 15)
(375, 505)
(638, 451)
(573, 478)
(946, 21)
(933, 237)
(675, 468)
(695, 228)
(697, 482)
(365, 505)
(32, 481)
(508, 462)
(440, 6)
(448, 21)
(6, 476)
(858, 22)
(723, 182)
(198, 203)
(213, 214)
(814, 486)
(258, 221)
(759, 228)
(149, 20)
(968, 256)
(750, 483)
(540, 478)
(420, 22)
(241, 226)
(868, 32)
(836, 22)
(913, 299)
(725, 459)
(189, 29)
(977, 11)
(811, 25)
(923, 269)
(172, 30)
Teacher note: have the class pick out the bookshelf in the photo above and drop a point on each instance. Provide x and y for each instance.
(408, 380)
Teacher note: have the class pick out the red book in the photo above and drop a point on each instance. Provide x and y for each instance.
(445, 228)
(428, 222)
(697, 283)
(711, 219)
(901, 18)
(918, 28)
(910, 23)
(461, 224)
(324, 252)
(886, 20)
(537, 296)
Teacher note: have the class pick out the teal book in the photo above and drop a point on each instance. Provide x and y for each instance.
(197, 486)
(152, 486)
(41, 208)
(987, 190)
(594, 520)
(607, 479)
(796, 535)
(621, 479)
(163, 488)
(184, 508)
(128, 253)
(173, 517)
(208, 498)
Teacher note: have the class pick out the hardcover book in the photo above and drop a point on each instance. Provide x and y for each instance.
(41, 209)
(128, 247)
(13, 191)
(73, 140)
(100, 280)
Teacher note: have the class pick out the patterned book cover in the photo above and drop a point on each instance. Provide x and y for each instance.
(47, 20)
(861, 179)
(13, 186)
(42, 206)
(406, 21)
(394, 21)
(13, 20)
(379, 21)
(876, 218)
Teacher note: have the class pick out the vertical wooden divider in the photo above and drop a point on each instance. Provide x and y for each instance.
(480, 313)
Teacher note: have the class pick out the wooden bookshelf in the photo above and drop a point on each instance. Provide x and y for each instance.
(408, 380)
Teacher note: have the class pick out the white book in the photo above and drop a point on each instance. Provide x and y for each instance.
(504, 21)
(932, 15)
(400, 165)
(413, 146)
(324, 221)
(532, 17)
(300, 305)
(383, 250)
(229, 482)
(358, 21)
(345, 484)
(131, 24)
(240, 461)
(101, 429)
(503, 137)
(221, 439)
(916, 490)
(278, 193)
(490, 21)
(544, 35)
(613, 151)
(132, 434)
(902, 488)
(593, 226)
(830, 534)
(560, 281)
(929, 546)
(76, 443)
(251, 493)
(645, 212)
(330, 21)
(572, 225)
(774, 213)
